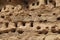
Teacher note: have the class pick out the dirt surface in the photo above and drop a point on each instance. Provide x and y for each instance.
(30, 20)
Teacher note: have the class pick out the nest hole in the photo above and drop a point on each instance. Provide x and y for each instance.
(50, 1)
(13, 30)
(16, 24)
(6, 24)
(44, 31)
(2, 16)
(54, 13)
(12, 7)
(27, 7)
(30, 15)
(33, 4)
(45, 21)
(31, 24)
(38, 27)
(9, 1)
(58, 31)
(58, 18)
(39, 32)
(23, 23)
(10, 14)
(37, 3)
(46, 2)
(4, 8)
(53, 30)
(39, 15)
(40, 21)
(20, 31)
(0, 10)
(47, 27)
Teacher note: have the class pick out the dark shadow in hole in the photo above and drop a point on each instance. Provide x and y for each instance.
(40, 21)
(58, 31)
(44, 31)
(12, 7)
(25, 2)
(47, 27)
(58, 18)
(6, 24)
(10, 14)
(0, 9)
(31, 24)
(45, 21)
(39, 32)
(4, 7)
(39, 15)
(9, 1)
(23, 23)
(54, 13)
(33, 4)
(32, 9)
(2, 16)
(38, 27)
(46, 2)
(1, 33)
(20, 31)
(16, 24)
(37, 3)
(54, 26)
(5, 31)
(27, 7)
(50, 1)
(53, 29)
(13, 30)
(30, 15)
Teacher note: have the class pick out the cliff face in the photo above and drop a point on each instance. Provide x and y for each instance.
(30, 19)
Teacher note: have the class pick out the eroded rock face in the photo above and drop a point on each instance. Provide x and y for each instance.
(30, 19)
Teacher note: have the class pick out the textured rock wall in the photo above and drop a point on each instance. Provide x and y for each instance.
(30, 20)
